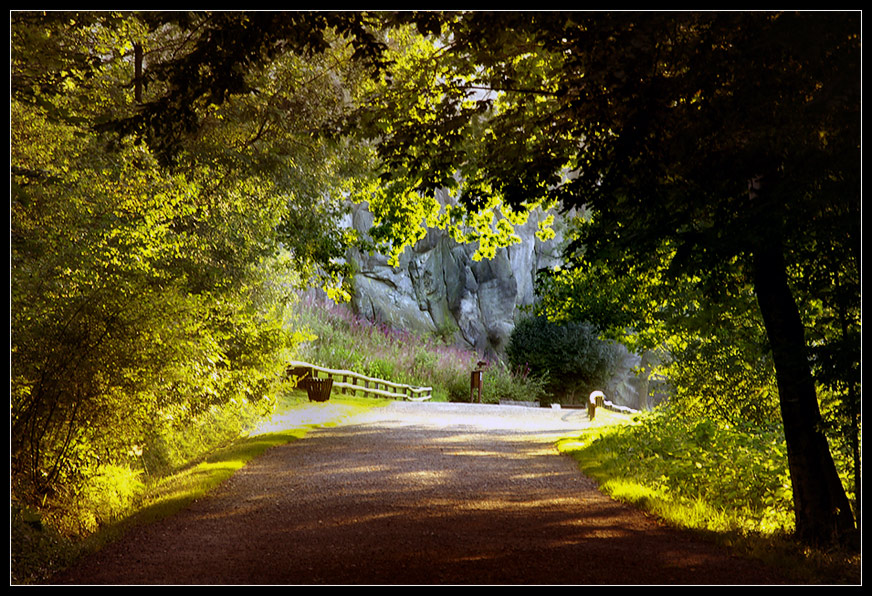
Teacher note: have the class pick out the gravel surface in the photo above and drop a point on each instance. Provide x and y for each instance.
(416, 493)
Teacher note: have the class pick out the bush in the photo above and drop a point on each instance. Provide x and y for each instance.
(740, 474)
(501, 383)
(571, 355)
(35, 546)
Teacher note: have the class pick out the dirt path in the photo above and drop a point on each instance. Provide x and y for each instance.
(416, 494)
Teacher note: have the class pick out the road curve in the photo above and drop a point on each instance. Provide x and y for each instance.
(416, 494)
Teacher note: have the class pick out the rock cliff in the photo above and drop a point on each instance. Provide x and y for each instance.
(439, 288)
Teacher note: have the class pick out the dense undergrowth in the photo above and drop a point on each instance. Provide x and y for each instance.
(196, 460)
(728, 483)
(46, 538)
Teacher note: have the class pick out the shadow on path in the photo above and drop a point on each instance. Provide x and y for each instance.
(416, 494)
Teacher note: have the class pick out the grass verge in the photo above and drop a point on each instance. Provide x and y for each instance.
(680, 475)
(46, 552)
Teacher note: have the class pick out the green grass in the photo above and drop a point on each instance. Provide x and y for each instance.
(725, 484)
(39, 550)
(337, 338)
(177, 491)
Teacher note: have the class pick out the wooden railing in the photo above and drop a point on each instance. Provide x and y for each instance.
(352, 383)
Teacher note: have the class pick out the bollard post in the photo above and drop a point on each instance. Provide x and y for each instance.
(475, 383)
(596, 399)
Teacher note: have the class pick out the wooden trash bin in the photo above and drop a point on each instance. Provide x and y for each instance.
(318, 389)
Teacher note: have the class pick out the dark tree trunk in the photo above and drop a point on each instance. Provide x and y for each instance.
(822, 510)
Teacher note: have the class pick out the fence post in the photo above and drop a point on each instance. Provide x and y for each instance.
(595, 400)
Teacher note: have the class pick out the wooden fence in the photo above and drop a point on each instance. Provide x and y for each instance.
(352, 383)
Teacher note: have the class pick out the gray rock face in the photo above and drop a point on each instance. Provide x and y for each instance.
(439, 288)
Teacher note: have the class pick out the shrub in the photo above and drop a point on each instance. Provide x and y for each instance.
(175, 438)
(571, 355)
(739, 473)
(108, 494)
(501, 383)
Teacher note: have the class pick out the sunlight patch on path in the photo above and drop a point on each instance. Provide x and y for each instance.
(310, 415)
(485, 418)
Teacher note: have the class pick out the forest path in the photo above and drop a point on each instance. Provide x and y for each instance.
(417, 493)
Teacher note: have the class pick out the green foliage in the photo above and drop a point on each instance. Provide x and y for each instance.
(109, 494)
(571, 355)
(716, 361)
(499, 382)
(145, 225)
(36, 548)
(142, 291)
(422, 107)
(632, 302)
(199, 61)
(721, 377)
(660, 127)
(176, 437)
(739, 473)
(126, 301)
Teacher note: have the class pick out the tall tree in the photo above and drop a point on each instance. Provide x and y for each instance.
(159, 163)
(709, 137)
(133, 289)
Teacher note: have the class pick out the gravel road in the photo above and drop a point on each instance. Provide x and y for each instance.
(416, 493)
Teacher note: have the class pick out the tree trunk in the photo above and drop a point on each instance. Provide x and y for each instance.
(822, 510)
